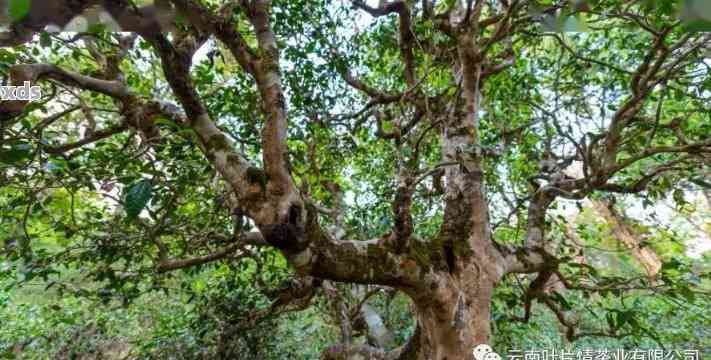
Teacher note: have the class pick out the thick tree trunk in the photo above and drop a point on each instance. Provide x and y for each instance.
(453, 317)
(453, 313)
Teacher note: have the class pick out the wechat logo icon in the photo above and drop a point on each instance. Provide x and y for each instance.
(485, 352)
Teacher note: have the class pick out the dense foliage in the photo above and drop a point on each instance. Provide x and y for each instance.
(535, 173)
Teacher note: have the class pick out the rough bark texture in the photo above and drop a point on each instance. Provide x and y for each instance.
(449, 277)
(455, 318)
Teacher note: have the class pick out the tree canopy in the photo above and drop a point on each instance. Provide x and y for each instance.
(392, 180)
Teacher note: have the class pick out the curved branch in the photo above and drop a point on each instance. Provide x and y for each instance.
(170, 265)
(205, 20)
(94, 137)
(267, 74)
(35, 72)
(264, 67)
(251, 238)
(407, 37)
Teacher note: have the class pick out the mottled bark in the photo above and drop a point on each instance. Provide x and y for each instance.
(454, 316)
(453, 313)
(449, 277)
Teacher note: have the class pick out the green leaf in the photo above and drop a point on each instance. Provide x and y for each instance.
(97, 28)
(611, 321)
(678, 196)
(625, 317)
(137, 197)
(18, 9)
(45, 39)
(688, 294)
(561, 300)
(697, 26)
(16, 153)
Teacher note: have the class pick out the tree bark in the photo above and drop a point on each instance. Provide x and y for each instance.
(453, 318)
(453, 312)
